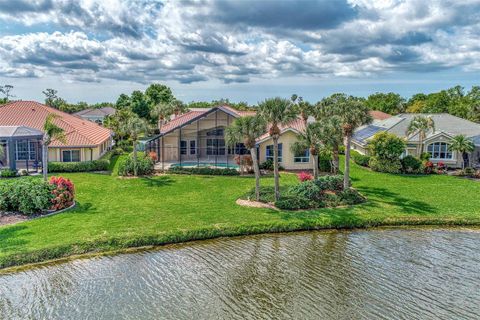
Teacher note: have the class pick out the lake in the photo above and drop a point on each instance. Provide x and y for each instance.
(360, 274)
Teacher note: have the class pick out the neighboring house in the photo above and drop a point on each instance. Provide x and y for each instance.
(21, 146)
(85, 140)
(197, 138)
(436, 143)
(96, 115)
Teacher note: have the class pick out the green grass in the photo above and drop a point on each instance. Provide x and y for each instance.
(116, 213)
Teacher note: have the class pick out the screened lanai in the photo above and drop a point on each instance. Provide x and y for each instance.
(21, 148)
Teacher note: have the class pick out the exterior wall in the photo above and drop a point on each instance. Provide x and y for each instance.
(457, 160)
(86, 153)
(359, 148)
(287, 139)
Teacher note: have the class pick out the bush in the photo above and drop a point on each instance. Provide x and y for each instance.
(385, 145)
(410, 164)
(304, 176)
(385, 165)
(205, 171)
(428, 167)
(350, 197)
(425, 156)
(468, 172)
(145, 165)
(329, 182)
(268, 165)
(293, 203)
(125, 145)
(360, 159)
(86, 166)
(307, 189)
(63, 192)
(325, 165)
(267, 194)
(24, 173)
(8, 173)
(26, 195)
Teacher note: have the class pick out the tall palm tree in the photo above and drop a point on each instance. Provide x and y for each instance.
(247, 130)
(178, 107)
(311, 140)
(352, 113)
(276, 112)
(162, 111)
(135, 127)
(304, 108)
(331, 136)
(420, 125)
(50, 132)
(463, 145)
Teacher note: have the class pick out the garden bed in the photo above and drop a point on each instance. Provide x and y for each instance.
(7, 218)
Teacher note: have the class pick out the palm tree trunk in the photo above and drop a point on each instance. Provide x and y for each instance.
(135, 170)
(275, 168)
(346, 174)
(253, 153)
(315, 165)
(45, 161)
(336, 159)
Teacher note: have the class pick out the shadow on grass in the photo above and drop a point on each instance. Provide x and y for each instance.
(10, 240)
(157, 181)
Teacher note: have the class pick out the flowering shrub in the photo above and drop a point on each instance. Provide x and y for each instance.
(304, 176)
(153, 156)
(428, 167)
(63, 193)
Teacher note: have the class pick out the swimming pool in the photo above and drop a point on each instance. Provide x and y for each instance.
(206, 164)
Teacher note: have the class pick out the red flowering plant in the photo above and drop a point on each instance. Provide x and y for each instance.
(428, 167)
(153, 155)
(304, 176)
(63, 192)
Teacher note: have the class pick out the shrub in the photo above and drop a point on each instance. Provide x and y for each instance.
(425, 156)
(63, 192)
(304, 176)
(385, 165)
(469, 172)
(145, 165)
(125, 145)
(267, 194)
(329, 182)
(205, 171)
(307, 189)
(86, 166)
(8, 173)
(428, 167)
(325, 165)
(360, 159)
(26, 195)
(350, 196)
(153, 155)
(293, 203)
(268, 165)
(24, 173)
(385, 145)
(410, 164)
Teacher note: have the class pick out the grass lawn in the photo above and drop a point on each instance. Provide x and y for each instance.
(116, 213)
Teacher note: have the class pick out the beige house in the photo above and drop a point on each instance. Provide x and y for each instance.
(437, 142)
(85, 140)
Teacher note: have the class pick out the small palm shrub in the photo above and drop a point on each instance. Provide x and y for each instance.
(145, 165)
(307, 189)
(410, 164)
(63, 192)
(360, 159)
(329, 182)
(293, 203)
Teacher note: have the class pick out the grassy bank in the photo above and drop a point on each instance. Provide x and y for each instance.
(116, 213)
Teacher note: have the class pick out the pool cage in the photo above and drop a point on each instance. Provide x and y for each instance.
(196, 142)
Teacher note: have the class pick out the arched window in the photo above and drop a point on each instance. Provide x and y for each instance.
(439, 151)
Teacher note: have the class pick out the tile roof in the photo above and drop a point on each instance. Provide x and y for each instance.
(79, 132)
(379, 115)
(296, 125)
(96, 112)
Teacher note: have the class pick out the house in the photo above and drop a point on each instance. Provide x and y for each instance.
(96, 115)
(196, 138)
(85, 140)
(21, 147)
(437, 142)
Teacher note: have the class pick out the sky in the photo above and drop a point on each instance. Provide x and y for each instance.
(243, 50)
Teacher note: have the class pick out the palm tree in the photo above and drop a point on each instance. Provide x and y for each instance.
(304, 108)
(420, 125)
(463, 145)
(331, 136)
(135, 127)
(162, 111)
(50, 132)
(311, 140)
(352, 113)
(276, 112)
(178, 107)
(247, 130)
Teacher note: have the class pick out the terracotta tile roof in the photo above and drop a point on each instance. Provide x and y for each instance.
(96, 112)
(379, 115)
(79, 132)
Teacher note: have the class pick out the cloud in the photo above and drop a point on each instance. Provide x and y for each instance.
(237, 41)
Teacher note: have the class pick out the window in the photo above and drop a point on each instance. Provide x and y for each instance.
(24, 149)
(302, 158)
(71, 155)
(439, 151)
(269, 155)
(193, 149)
(215, 147)
(183, 147)
(238, 149)
(215, 132)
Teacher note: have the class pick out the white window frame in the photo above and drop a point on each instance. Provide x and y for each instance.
(302, 159)
(71, 152)
(436, 148)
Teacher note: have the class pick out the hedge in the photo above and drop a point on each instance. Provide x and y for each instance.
(204, 171)
(95, 165)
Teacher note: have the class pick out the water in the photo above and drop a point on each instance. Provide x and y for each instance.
(378, 274)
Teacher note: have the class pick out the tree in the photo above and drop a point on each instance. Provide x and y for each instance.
(135, 127)
(162, 111)
(386, 146)
(247, 130)
(463, 145)
(50, 132)
(420, 125)
(158, 93)
(303, 108)
(311, 140)
(139, 104)
(276, 112)
(116, 122)
(123, 102)
(178, 107)
(331, 136)
(352, 113)
(5, 90)
(53, 100)
(391, 103)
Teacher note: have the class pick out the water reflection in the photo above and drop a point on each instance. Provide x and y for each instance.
(379, 274)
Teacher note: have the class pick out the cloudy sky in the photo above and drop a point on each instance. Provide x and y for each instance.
(243, 50)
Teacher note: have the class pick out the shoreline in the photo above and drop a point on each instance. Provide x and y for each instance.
(22, 262)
